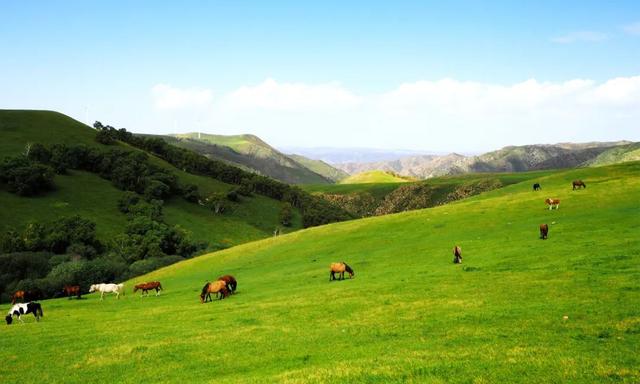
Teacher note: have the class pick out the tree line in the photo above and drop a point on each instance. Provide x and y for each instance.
(315, 210)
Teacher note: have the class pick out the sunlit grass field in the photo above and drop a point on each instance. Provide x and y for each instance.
(92, 197)
(519, 309)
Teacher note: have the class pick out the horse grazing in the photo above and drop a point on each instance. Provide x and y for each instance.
(544, 231)
(146, 287)
(230, 281)
(23, 309)
(577, 184)
(553, 203)
(72, 290)
(217, 287)
(107, 288)
(457, 255)
(340, 268)
(537, 187)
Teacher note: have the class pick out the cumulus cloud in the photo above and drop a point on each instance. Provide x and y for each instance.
(168, 97)
(580, 36)
(632, 29)
(271, 95)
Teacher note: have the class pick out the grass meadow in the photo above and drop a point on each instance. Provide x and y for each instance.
(519, 309)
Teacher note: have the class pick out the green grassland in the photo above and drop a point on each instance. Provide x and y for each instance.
(381, 189)
(370, 177)
(519, 309)
(96, 199)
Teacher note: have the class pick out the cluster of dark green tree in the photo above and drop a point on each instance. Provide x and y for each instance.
(25, 177)
(43, 257)
(315, 210)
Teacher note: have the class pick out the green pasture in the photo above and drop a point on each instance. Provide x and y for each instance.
(519, 309)
(373, 177)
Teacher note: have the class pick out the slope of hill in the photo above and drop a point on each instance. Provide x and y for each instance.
(375, 176)
(92, 197)
(616, 155)
(518, 308)
(250, 153)
(507, 159)
(321, 168)
(374, 199)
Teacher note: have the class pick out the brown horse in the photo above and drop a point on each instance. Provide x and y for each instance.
(18, 295)
(340, 268)
(457, 255)
(215, 287)
(577, 184)
(544, 231)
(553, 203)
(230, 281)
(146, 287)
(72, 290)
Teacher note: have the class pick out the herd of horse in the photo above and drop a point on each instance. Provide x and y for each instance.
(222, 287)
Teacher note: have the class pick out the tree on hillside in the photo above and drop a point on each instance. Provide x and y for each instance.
(24, 177)
(217, 202)
(286, 214)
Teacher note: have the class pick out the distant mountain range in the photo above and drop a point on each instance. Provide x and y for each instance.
(249, 152)
(507, 159)
(318, 166)
(355, 155)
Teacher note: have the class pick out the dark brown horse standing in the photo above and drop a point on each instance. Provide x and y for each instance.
(230, 281)
(72, 290)
(457, 255)
(577, 184)
(146, 287)
(544, 231)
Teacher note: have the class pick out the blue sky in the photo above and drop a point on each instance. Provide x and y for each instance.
(333, 74)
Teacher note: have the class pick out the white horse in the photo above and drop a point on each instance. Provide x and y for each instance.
(107, 288)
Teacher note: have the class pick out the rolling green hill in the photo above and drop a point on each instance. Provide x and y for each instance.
(250, 153)
(519, 309)
(371, 177)
(92, 197)
(373, 199)
(616, 155)
(321, 168)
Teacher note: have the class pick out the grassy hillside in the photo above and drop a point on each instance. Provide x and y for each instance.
(94, 198)
(321, 168)
(371, 199)
(519, 309)
(616, 155)
(250, 153)
(374, 177)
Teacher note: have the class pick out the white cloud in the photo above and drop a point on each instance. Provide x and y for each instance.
(621, 91)
(580, 36)
(271, 95)
(459, 97)
(168, 97)
(446, 114)
(632, 29)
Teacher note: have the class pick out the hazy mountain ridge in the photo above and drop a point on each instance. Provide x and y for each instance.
(507, 159)
(250, 153)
